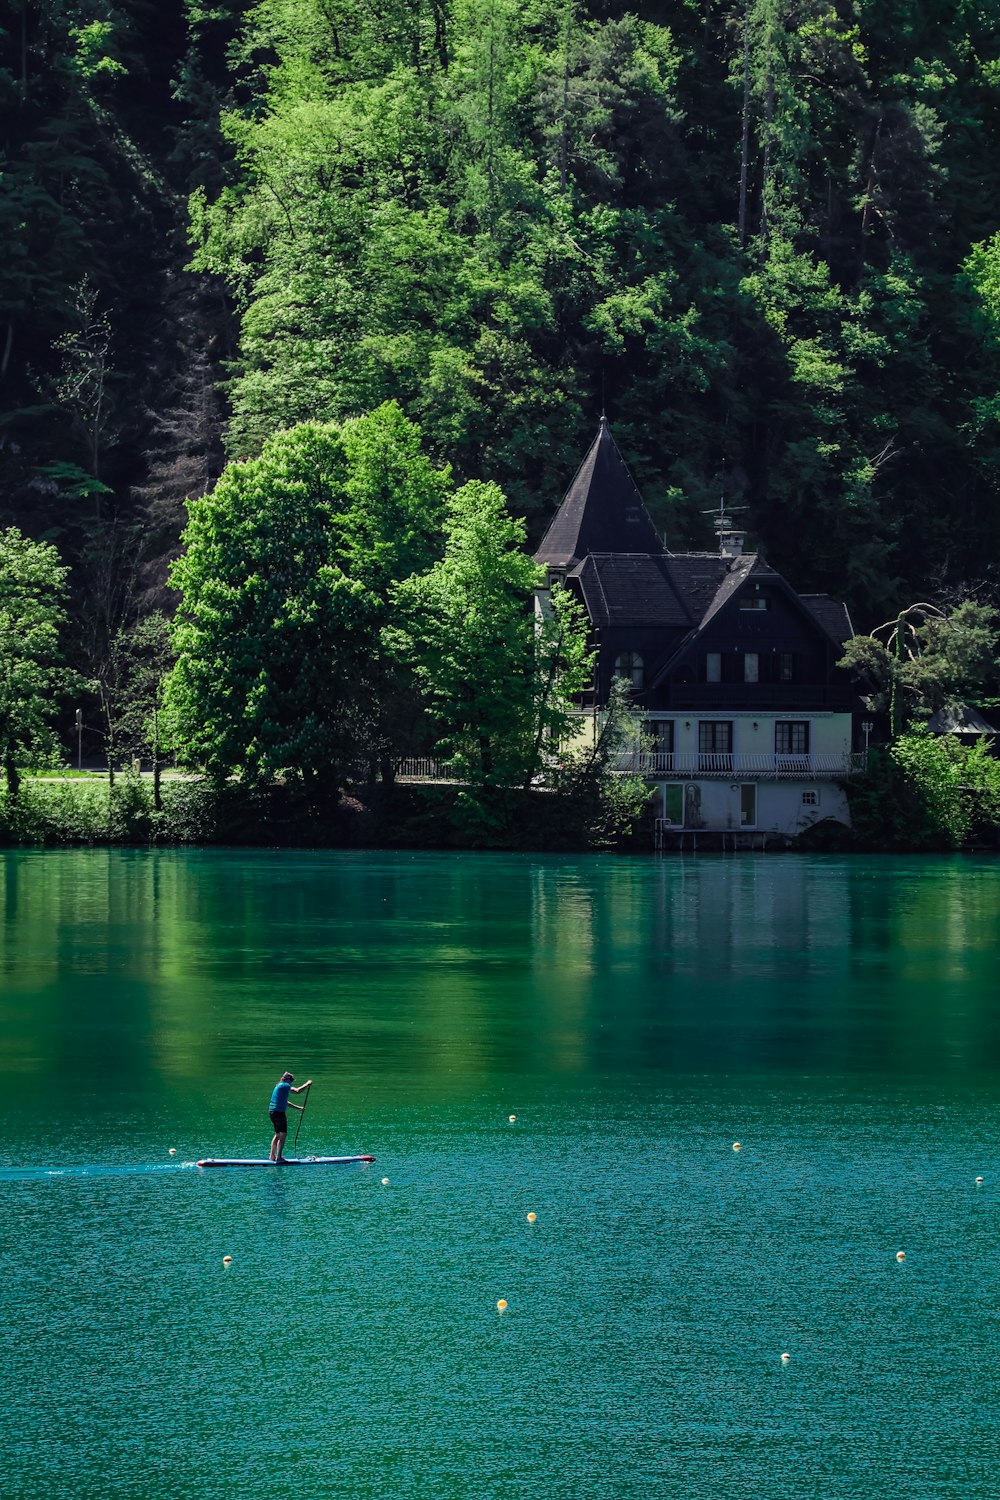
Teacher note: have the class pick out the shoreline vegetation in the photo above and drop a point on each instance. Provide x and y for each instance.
(72, 808)
(923, 794)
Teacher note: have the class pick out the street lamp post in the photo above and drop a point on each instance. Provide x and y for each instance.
(867, 726)
(79, 739)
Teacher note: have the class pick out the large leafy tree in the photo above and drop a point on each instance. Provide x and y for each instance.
(500, 682)
(33, 677)
(284, 581)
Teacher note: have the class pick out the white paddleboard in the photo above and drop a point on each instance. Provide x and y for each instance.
(287, 1161)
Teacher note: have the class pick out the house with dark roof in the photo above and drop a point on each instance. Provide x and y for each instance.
(747, 721)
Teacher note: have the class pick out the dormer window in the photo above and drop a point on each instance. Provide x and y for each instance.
(628, 664)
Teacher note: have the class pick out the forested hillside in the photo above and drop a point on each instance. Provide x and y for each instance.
(758, 233)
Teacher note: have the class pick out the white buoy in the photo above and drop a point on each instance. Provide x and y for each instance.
(173, 1152)
(979, 1179)
(227, 1260)
(512, 1118)
(737, 1146)
(785, 1358)
(532, 1218)
(900, 1254)
(385, 1182)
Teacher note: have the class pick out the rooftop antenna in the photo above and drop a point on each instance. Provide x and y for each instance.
(730, 537)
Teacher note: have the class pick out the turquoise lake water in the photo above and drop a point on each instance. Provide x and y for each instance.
(837, 1017)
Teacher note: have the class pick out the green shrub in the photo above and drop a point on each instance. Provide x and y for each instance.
(926, 792)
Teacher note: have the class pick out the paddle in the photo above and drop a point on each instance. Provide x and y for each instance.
(301, 1113)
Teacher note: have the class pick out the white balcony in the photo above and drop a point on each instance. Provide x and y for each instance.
(752, 767)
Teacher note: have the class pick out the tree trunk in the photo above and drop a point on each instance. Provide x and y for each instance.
(563, 135)
(765, 187)
(896, 697)
(745, 147)
(157, 789)
(13, 776)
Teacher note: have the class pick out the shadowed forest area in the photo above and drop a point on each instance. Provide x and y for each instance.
(762, 236)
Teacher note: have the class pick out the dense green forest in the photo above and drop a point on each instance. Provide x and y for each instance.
(760, 234)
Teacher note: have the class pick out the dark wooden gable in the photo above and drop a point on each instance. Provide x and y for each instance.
(794, 648)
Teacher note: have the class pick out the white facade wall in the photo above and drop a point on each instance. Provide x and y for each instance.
(782, 805)
(753, 733)
(762, 792)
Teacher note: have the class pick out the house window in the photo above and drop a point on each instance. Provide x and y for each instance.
(754, 600)
(786, 666)
(628, 664)
(673, 803)
(810, 799)
(713, 666)
(751, 666)
(661, 732)
(715, 737)
(791, 737)
(748, 805)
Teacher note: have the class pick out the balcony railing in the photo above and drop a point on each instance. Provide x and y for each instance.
(690, 764)
(759, 767)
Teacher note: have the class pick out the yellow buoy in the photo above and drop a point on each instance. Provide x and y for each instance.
(900, 1254)
(737, 1146)
(785, 1358)
(385, 1182)
(172, 1151)
(512, 1118)
(502, 1305)
(227, 1260)
(532, 1218)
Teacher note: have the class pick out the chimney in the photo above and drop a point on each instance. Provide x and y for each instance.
(730, 543)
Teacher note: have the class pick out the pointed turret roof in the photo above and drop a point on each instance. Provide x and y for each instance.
(602, 511)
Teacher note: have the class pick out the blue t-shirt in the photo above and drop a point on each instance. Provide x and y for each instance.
(279, 1099)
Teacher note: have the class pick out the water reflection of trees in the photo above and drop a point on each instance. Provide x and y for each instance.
(206, 968)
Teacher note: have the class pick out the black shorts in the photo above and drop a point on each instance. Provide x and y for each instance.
(280, 1121)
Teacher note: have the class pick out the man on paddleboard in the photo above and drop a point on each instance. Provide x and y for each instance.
(279, 1119)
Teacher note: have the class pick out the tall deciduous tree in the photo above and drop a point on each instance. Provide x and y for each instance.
(500, 684)
(285, 582)
(33, 677)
